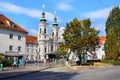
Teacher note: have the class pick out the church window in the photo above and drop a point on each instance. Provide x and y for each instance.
(56, 33)
(45, 30)
(52, 34)
(45, 49)
(39, 49)
(51, 48)
(40, 30)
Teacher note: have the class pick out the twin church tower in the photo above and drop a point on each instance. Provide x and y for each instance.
(47, 44)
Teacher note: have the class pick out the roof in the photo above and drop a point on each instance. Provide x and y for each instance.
(31, 39)
(102, 38)
(9, 24)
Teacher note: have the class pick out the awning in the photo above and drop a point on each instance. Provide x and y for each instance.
(12, 54)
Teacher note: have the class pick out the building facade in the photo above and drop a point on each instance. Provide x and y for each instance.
(31, 48)
(100, 52)
(12, 38)
(47, 44)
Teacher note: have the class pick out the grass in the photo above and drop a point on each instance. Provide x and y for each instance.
(113, 62)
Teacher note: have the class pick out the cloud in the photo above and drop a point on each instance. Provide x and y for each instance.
(33, 32)
(64, 7)
(61, 30)
(100, 14)
(8, 7)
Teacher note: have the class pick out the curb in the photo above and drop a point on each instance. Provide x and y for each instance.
(17, 75)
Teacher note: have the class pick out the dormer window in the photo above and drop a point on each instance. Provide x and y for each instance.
(12, 24)
(1, 22)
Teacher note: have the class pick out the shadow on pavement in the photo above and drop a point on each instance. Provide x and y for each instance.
(43, 75)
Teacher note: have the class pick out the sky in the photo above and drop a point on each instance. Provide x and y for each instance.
(27, 13)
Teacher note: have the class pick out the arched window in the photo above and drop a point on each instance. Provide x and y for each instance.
(51, 48)
(52, 34)
(40, 30)
(56, 33)
(45, 30)
(45, 49)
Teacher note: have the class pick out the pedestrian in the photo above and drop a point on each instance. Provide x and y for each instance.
(14, 64)
(44, 61)
(18, 63)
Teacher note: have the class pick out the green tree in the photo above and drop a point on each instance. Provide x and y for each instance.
(113, 21)
(79, 35)
(111, 45)
(62, 50)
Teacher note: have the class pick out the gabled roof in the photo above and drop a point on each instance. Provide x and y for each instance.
(9, 24)
(31, 39)
(102, 38)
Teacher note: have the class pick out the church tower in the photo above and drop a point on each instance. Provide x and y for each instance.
(54, 35)
(47, 44)
(43, 35)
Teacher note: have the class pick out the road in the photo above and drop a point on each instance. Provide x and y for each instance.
(105, 73)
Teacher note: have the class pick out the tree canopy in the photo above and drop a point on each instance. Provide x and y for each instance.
(113, 22)
(79, 35)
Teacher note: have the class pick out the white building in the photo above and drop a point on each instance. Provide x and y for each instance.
(31, 48)
(47, 44)
(100, 50)
(12, 37)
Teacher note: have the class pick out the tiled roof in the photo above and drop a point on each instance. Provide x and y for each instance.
(102, 38)
(31, 39)
(9, 24)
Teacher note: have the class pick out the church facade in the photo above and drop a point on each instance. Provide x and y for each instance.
(47, 44)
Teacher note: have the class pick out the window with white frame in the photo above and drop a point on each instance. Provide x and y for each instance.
(10, 48)
(11, 36)
(19, 37)
(19, 48)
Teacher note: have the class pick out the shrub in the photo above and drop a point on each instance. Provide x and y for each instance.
(6, 62)
(113, 62)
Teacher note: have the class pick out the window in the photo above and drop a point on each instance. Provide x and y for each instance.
(19, 37)
(45, 49)
(56, 33)
(32, 50)
(27, 50)
(39, 49)
(45, 30)
(51, 48)
(40, 30)
(11, 24)
(11, 36)
(27, 45)
(10, 48)
(1, 22)
(52, 34)
(19, 48)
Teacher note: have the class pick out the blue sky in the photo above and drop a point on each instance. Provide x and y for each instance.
(27, 13)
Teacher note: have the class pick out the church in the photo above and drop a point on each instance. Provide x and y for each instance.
(47, 44)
